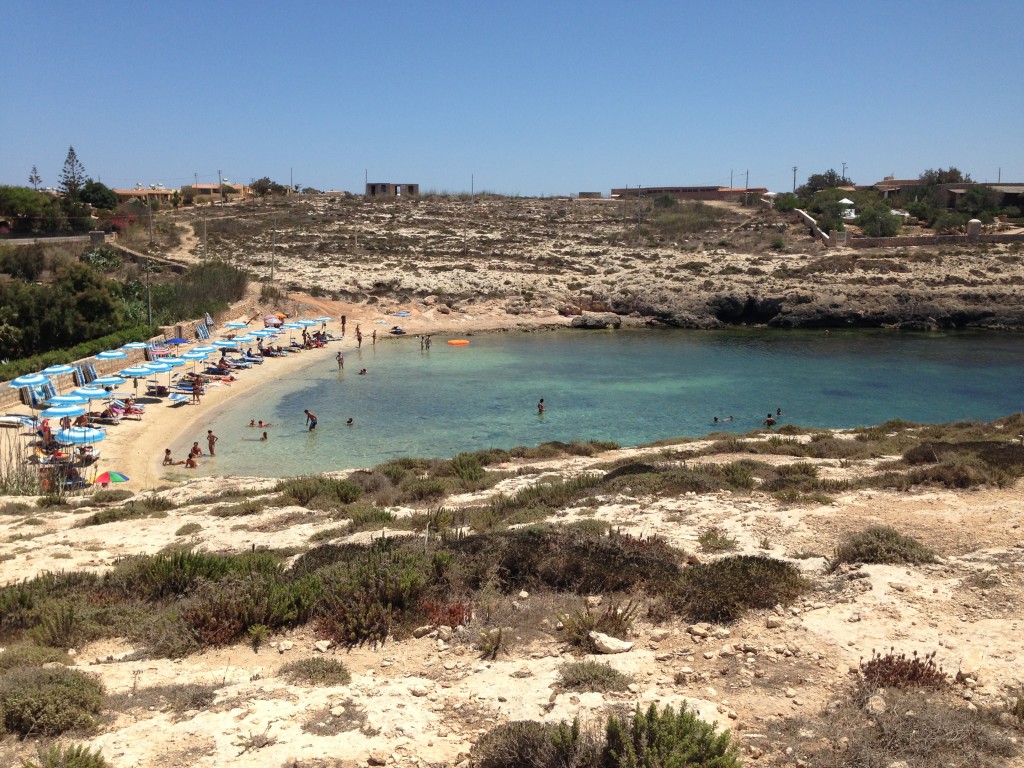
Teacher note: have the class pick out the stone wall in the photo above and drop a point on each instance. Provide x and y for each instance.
(889, 242)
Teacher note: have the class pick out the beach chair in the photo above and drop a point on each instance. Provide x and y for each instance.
(47, 391)
(31, 396)
(78, 376)
(156, 350)
(90, 372)
(178, 398)
(202, 332)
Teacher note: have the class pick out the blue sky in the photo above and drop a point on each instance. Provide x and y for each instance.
(527, 98)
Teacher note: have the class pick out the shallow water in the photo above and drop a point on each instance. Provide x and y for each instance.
(629, 386)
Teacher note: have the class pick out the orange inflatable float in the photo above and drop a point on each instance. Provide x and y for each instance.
(458, 342)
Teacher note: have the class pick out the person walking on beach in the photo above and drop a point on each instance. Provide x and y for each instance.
(540, 407)
(341, 360)
(197, 389)
(359, 337)
(373, 337)
(310, 419)
(343, 318)
(211, 440)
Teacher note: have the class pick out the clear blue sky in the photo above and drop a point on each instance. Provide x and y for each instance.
(528, 97)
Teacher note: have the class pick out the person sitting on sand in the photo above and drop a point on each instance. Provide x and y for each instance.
(168, 460)
(191, 463)
(196, 450)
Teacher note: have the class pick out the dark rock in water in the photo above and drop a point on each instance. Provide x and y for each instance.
(597, 320)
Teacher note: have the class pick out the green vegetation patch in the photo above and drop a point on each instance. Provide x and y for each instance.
(723, 590)
(318, 670)
(592, 676)
(880, 544)
(48, 702)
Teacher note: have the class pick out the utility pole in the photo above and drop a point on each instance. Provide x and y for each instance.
(149, 295)
(638, 210)
(844, 171)
(746, 184)
(730, 178)
(205, 253)
(220, 186)
(794, 179)
(273, 251)
(149, 206)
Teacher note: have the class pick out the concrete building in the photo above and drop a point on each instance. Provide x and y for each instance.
(387, 189)
(691, 193)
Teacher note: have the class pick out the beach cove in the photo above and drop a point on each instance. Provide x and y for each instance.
(633, 386)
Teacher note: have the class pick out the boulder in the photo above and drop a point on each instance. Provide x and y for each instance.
(607, 644)
(597, 320)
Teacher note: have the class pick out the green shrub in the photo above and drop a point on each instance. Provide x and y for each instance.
(716, 540)
(616, 620)
(592, 676)
(48, 702)
(188, 528)
(67, 756)
(467, 468)
(901, 671)
(31, 656)
(724, 589)
(880, 544)
(666, 738)
(529, 744)
(305, 490)
(110, 496)
(318, 670)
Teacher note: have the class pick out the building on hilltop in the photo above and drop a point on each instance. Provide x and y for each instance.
(691, 193)
(386, 189)
(147, 194)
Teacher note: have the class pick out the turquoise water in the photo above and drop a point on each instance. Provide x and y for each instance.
(629, 386)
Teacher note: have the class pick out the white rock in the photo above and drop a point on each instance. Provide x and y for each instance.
(876, 705)
(423, 631)
(523, 595)
(285, 645)
(699, 630)
(444, 633)
(593, 601)
(322, 645)
(607, 644)
(773, 622)
(657, 635)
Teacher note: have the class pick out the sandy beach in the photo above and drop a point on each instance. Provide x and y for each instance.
(135, 448)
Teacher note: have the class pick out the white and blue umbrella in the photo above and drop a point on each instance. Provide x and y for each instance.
(108, 381)
(263, 333)
(291, 326)
(225, 343)
(111, 354)
(60, 411)
(307, 323)
(135, 345)
(67, 400)
(90, 393)
(30, 380)
(157, 367)
(207, 348)
(172, 361)
(195, 354)
(245, 338)
(57, 370)
(134, 372)
(80, 435)
(236, 324)
(323, 320)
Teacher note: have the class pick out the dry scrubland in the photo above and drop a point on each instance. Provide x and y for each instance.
(698, 265)
(799, 589)
(829, 599)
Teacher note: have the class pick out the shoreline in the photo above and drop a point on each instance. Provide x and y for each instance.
(133, 447)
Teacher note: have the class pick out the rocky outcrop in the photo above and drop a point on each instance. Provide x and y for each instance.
(597, 320)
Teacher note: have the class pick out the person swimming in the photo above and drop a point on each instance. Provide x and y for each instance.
(264, 437)
(350, 422)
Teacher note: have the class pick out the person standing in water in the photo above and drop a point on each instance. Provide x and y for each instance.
(341, 360)
(211, 440)
(540, 407)
(310, 419)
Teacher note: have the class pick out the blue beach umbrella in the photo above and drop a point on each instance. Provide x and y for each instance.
(135, 372)
(205, 348)
(111, 354)
(90, 393)
(57, 370)
(29, 380)
(80, 435)
(60, 411)
(322, 320)
(177, 341)
(225, 343)
(67, 400)
(194, 354)
(307, 323)
(135, 345)
(157, 367)
(263, 333)
(236, 324)
(172, 361)
(108, 381)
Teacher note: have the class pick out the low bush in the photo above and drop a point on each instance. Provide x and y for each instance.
(615, 620)
(666, 738)
(67, 756)
(31, 656)
(48, 702)
(110, 496)
(901, 671)
(188, 529)
(529, 744)
(318, 670)
(716, 540)
(592, 676)
(723, 590)
(305, 490)
(880, 544)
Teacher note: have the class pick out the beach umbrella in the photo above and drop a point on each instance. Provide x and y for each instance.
(263, 333)
(60, 411)
(291, 326)
(271, 320)
(322, 320)
(194, 354)
(90, 393)
(225, 343)
(108, 381)
(172, 361)
(67, 400)
(135, 372)
(177, 341)
(80, 435)
(57, 370)
(247, 338)
(111, 354)
(307, 323)
(29, 380)
(135, 345)
(110, 476)
(206, 348)
(157, 367)
(236, 324)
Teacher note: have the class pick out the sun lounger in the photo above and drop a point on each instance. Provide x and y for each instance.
(177, 398)
(17, 420)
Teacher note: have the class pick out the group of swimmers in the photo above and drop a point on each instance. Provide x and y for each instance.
(770, 421)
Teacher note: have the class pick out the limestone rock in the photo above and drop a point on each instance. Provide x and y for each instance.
(423, 631)
(597, 320)
(876, 705)
(607, 644)
(322, 645)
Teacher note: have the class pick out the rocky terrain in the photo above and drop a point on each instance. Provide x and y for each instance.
(695, 265)
(781, 678)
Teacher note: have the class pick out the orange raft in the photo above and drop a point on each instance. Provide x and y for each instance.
(458, 342)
